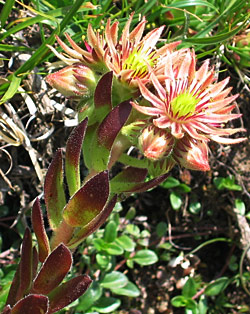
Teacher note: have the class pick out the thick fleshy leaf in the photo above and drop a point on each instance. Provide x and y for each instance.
(128, 179)
(68, 292)
(32, 304)
(88, 202)
(26, 267)
(112, 124)
(102, 95)
(38, 227)
(35, 261)
(12, 296)
(54, 269)
(106, 134)
(88, 146)
(72, 156)
(53, 191)
(93, 225)
(6, 310)
(142, 187)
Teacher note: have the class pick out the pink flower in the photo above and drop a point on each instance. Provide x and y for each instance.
(130, 57)
(190, 106)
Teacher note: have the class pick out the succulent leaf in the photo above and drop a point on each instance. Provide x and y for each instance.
(72, 156)
(6, 310)
(112, 124)
(128, 179)
(94, 224)
(68, 292)
(53, 191)
(54, 269)
(38, 227)
(87, 202)
(26, 267)
(106, 134)
(32, 304)
(102, 96)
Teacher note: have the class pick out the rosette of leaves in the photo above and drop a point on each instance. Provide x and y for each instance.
(37, 290)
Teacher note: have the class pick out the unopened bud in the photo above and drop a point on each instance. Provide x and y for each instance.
(155, 143)
(75, 81)
(192, 154)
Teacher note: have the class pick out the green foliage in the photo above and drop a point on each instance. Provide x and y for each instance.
(115, 242)
(227, 183)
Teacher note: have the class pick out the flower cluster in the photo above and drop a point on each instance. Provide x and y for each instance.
(185, 111)
(177, 108)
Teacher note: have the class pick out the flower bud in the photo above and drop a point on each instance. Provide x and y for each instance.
(155, 143)
(192, 154)
(75, 81)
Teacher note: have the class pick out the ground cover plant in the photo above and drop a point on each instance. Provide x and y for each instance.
(124, 149)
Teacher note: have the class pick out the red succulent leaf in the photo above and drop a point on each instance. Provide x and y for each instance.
(35, 261)
(32, 304)
(38, 227)
(26, 267)
(88, 202)
(102, 95)
(72, 156)
(6, 310)
(112, 124)
(128, 179)
(12, 296)
(68, 292)
(53, 190)
(94, 224)
(144, 186)
(54, 269)
(132, 174)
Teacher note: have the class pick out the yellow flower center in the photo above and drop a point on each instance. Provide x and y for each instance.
(139, 62)
(183, 105)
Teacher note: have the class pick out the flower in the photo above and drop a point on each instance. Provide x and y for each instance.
(130, 57)
(191, 107)
(73, 81)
